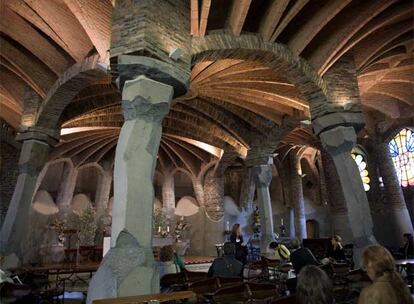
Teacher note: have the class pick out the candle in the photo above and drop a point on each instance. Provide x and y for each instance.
(281, 222)
(159, 229)
(168, 229)
(227, 226)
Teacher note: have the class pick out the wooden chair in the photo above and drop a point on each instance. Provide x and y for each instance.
(246, 293)
(205, 289)
(181, 280)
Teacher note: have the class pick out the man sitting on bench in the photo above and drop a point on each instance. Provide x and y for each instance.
(227, 266)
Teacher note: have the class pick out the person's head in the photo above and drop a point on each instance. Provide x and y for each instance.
(166, 253)
(229, 249)
(273, 245)
(295, 243)
(408, 237)
(314, 286)
(336, 239)
(378, 261)
(236, 229)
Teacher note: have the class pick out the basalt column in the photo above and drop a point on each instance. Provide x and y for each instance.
(150, 55)
(33, 156)
(397, 212)
(336, 200)
(168, 194)
(262, 175)
(339, 143)
(297, 196)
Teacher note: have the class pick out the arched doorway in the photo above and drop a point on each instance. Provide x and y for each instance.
(312, 228)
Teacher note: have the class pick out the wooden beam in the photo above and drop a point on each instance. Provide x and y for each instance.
(205, 10)
(299, 4)
(307, 31)
(237, 16)
(194, 18)
(272, 18)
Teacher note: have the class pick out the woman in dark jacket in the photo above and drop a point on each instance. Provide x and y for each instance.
(237, 238)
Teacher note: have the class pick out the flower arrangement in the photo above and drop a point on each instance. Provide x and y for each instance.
(59, 226)
(180, 227)
(87, 226)
(160, 221)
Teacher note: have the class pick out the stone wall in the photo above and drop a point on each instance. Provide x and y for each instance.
(9, 157)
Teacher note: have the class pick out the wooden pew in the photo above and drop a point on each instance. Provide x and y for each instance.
(160, 297)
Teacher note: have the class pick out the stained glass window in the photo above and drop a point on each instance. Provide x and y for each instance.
(402, 152)
(362, 166)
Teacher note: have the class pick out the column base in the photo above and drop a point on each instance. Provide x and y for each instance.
(359, 246)
(126, 270)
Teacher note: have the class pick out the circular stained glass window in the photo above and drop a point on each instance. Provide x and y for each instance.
(402, 152)
(363, 170)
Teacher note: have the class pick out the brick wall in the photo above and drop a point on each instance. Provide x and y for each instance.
(9, 157)
(152, 28)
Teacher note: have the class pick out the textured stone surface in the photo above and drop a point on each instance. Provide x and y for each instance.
(32, 158)
(339, 143)
(116, 277)
(298, 200)
(9, 156)
(213, 195)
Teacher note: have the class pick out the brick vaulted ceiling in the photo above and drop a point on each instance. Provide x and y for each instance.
(230, 100)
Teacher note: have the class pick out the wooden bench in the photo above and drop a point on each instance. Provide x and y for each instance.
(181, 280)
(159, 297)
(246, 292)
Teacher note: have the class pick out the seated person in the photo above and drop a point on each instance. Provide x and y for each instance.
(237, 239)
(314, 286)
(301, 257)
(387, 285)
(278, 252)
(227, 266)
(336, 252)
(408, 249)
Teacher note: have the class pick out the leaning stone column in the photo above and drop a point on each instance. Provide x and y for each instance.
(33, 156)
(397, 212)
(339, 142)
(168, 194)
(65, 196)
(248, 188)
(297, 197)
(262, 175)
(336, 199)
(103, 191)
(129, 268)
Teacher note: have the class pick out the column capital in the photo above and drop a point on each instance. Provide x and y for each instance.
(262, 175)
(338, 140)
(45, 135)
(146, 98)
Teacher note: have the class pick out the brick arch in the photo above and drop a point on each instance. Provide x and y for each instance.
(76, 78)
(278, 56)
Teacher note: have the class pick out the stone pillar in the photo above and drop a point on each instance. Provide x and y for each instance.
(65, 195)
(397, 212)
(338, 142)
(198, 191)
(296, 192)
(128, 268)
(214, 195)
(336, 200)
(292, 233)
(102, 193)
(248, 188)
(168, 194)
(262, 175)
(33, 156)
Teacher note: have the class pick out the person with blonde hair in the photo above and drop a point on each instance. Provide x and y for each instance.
(387, 285)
